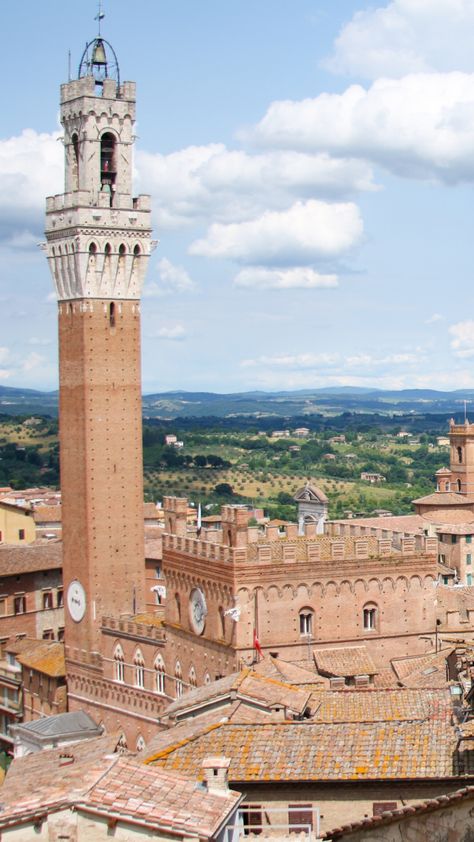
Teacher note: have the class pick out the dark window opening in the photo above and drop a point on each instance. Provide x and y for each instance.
(251, 819)
(19, 605)
(75, 162)
(112, 314)
(459, 452)
(300, 818)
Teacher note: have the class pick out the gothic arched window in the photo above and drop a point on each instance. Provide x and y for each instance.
(178, 675)
(192, 677)
(160, 675)
(119, 670)
(139, 665)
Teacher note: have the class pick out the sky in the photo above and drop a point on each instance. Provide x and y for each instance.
(311, 167)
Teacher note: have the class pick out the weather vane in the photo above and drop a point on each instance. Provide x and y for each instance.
(100, 15)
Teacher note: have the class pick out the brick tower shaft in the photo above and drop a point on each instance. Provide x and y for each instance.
(98, 245)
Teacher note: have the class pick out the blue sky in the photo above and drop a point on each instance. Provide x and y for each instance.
(311, 167)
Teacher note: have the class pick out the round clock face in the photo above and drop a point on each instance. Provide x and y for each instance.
(76, 601)
(197, 610)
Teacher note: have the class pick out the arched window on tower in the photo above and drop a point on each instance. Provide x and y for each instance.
(459, 454)
(459, 485)
(370, 616)
(140, 743)
(119, 669)
(75, 161)
(192, 677)
(207, 678)
(139, 665)
(108, 164)
(178, 675)
(306, 622)
(160, 675)
(112, 314)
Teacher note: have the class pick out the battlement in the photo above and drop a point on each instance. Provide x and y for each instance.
(466, 429)
(304, 549)
(235, 515)
(85, 199)
(176, 505)
(86, 87)
(134, 628)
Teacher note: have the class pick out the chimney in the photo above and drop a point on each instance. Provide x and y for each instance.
(215, 772)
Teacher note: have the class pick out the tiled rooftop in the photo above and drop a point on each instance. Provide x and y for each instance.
(245, 685)
(94, 778)
(38, 781)
(291, 673)
(344, 661)
(423, 670)
(303, 751)
(160, 798)
(47, 514)
(382, 705)
(47, 657)
(15, 559)
(445, 498)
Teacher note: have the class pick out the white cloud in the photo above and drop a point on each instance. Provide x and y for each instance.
(436, 317)
(335, 361)
(296, 361)
(175, 333)
(36, 340)
(172, 280)
(420, 126)
(4, 354)
(211, 182)
(462, 343)
(305, 232)
(32, 361)
(31, 167)
(406, 36)
(300, 277)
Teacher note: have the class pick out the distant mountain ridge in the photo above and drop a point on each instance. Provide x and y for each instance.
(330, 400)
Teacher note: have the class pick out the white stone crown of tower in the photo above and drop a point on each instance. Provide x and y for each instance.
(98, 235)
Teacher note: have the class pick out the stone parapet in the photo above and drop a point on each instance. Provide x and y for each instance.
(303, 549)
(125, 627)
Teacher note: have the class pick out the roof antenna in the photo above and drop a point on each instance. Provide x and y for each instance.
(69, 65)
(99, 16)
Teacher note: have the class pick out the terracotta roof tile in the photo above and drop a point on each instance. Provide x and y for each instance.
(304, 751)
(423, 670)
(383, 705)
(47, 658)
(47, 514)
(344, 661)
(160, 798)
(16, 559)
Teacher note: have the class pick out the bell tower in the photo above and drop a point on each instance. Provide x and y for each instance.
(98, 245)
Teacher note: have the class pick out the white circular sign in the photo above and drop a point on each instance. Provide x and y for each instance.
(76, 601)
(197, 610)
